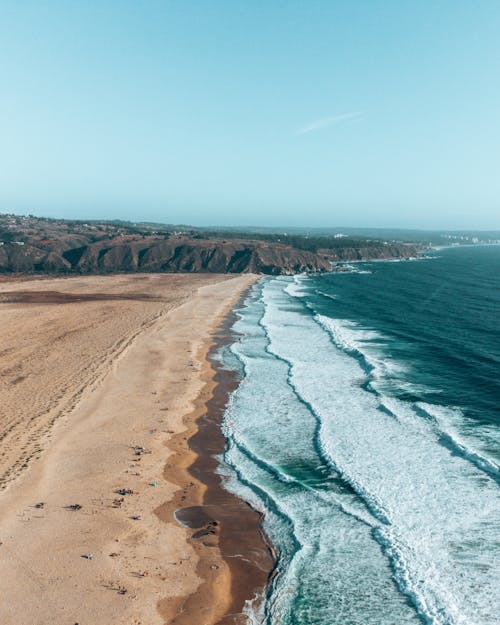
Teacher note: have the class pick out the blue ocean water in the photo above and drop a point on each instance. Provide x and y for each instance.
(366, 427)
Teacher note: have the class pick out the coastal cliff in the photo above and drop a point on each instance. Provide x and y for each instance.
(37, 245)
(188, 256)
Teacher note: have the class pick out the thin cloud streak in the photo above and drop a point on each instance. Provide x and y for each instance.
(326, 122)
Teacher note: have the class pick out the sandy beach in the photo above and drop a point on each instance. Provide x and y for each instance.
(104, 380)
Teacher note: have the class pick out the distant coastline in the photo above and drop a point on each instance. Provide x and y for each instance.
(32, 245)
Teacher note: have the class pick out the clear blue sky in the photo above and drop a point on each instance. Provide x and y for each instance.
(354, 113)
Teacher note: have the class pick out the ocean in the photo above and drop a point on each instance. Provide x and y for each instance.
(366, 427)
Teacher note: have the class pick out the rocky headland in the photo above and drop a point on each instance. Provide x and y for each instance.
(34, 245)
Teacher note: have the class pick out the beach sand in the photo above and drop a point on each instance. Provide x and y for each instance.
(104, 383)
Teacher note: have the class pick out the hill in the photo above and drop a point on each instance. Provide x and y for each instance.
(37, 245)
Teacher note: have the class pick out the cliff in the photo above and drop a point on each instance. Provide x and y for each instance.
(172, 255)
(36, 245)
(382, 251)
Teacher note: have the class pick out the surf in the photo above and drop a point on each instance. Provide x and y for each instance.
(381, 502)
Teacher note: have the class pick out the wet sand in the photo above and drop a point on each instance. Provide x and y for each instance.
(215, 517)
(98, 375)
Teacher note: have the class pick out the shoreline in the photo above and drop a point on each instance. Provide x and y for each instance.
(215, 520)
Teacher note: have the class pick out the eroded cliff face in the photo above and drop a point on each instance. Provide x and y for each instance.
(372, 252)
(171, 255)
(52, 250)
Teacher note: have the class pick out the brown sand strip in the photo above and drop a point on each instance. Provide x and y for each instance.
(219, 524)
(58, 297)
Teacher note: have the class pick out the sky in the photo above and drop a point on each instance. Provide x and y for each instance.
(372, 113)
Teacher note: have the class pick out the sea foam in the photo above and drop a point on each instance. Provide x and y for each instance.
(367, 501)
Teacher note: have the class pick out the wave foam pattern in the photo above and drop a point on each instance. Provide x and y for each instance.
(331, 570)
(437, 511)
